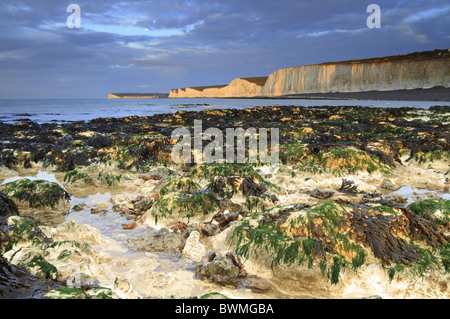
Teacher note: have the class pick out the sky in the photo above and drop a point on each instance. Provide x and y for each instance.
(154, 46)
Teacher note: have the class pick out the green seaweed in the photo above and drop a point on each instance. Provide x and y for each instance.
(49, 271)
(37, 193)
(75, 175)
(184, 205)
(429, 207)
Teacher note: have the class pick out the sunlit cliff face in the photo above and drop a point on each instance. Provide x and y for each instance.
(351, 76)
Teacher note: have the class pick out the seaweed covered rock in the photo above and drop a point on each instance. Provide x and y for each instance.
(7, 206)
(182, 206)
(437, 211)
(69, 159)
(17, 283)
(335, 236)
(36, 193)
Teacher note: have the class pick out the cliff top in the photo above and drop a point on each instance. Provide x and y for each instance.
(436, 54)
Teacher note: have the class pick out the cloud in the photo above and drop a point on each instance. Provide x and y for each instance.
(179, 43)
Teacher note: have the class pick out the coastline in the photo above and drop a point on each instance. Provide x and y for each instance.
(334, 161)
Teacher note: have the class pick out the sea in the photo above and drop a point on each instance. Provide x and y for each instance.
(70, 110)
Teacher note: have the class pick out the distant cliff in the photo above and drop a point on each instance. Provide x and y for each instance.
(241, 87)
(419, 70)
(137, 95)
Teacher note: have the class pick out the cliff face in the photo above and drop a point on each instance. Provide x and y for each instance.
(420, 70)
(241, 87)
(360, 77)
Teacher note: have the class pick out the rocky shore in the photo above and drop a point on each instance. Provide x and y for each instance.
(358, 207)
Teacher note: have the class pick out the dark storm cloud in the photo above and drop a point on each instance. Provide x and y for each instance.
(130, 45)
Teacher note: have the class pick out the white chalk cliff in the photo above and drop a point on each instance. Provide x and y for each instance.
(420, 70)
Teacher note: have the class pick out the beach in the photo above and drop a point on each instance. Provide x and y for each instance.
(356, 206)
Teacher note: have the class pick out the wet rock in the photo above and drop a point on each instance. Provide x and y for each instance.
(98, 210)
(218, 186)
(227, 204)
(209, 229)
(78, 207)
(396, 199)
(193, 249)
(271, 195)
(257, 284)
(320, 194)
(161, 241)
(210, 255)
(249, 188)
(151, 177)
(372, 197)
(224, 218)
(221, 270)
(388, 184)
(7, 206)
(142, 204)
(121, 208)
(235, 259)
(131, 225)
(16, 283)
(36, 193)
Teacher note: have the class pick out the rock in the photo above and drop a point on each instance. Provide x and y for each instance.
(78, 207)
(224, 218)
(98, 210)
(121, 208)
(396, 199)
(193, 249)
(209, 229)
(249, 188)
(151, 177)
(227, 204)
(36, 193)
(320, 194)
(142, 204)
(7, 206)
(235, 259)
(221, 271)
(372, 197)
(131, 225)
(210, 255)
(257, 284)
(273, 197)
(161, 241)
(388, 184)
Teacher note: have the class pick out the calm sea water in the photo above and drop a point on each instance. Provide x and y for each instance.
(57, 110)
